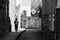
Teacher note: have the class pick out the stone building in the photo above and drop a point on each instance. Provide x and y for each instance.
(31, 22)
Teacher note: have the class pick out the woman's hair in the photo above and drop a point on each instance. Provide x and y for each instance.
(16, 18)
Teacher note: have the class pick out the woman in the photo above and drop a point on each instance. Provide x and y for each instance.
(16, 24)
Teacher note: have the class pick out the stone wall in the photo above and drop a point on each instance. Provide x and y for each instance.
(34, 22)
(48, 8)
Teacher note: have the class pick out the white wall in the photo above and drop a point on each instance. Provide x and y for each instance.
(12, 12)
(35, 3)
(58, 3)
(26, 5)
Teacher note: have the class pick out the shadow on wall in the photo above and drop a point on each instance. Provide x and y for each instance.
(4, 25)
